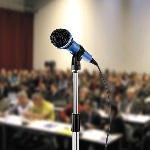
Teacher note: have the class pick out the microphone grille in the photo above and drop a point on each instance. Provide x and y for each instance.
(60, 37)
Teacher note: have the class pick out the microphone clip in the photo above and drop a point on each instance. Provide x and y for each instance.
(76, 58)
(75, 65)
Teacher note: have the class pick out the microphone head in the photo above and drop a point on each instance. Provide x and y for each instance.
(61, 38)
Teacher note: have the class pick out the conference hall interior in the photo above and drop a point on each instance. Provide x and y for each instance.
(37, 95)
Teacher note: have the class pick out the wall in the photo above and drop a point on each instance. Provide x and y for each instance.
(109, 30)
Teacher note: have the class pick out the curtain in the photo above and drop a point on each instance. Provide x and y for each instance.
(16, 40)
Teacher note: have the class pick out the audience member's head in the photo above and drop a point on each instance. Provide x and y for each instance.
(103, 95)
(22, 98)
(88, 106)
(37, 99)
(23, 87)
(41, 87)
(106, 108)
(131, 93)
(83, 93)
(53, 87)
(70, 99)
(3, 72)
(15, 72)
(118, 98)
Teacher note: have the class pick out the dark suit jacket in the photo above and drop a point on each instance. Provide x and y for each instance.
(136, 106)
(117, 125)
(94, 119)
(3, 93)
(53, 97)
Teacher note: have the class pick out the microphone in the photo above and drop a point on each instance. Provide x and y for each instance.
(62, 38)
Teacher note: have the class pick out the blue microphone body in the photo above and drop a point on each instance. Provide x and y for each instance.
(62, 38)
(74, 49)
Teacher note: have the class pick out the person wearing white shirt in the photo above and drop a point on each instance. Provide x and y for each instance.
(23, 105)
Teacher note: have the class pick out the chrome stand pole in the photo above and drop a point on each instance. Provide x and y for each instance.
(75, 115)
(75, 135)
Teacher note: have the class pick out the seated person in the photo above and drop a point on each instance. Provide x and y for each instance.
(41, 88)
(116, 127)
(3, 90)
(66, 116)
(83, 94)
(118, 101)
(41, 109)
(3, 75)
(66, 113)
(117, 124)
(4, 104)
(14, 81)
(62, 81)
(131, 105)
(90, 118)
(23, 105)
(53, 93)
(103, 99)
(24, 87)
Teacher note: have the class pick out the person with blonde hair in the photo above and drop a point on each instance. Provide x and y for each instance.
(23, 105)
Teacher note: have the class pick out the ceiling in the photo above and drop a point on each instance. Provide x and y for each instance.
(23, 5)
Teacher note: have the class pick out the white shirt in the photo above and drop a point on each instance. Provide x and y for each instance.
(21, 109)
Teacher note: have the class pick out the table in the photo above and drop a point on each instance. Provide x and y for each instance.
(57, 128)
(99, 136)
(92, 135)
(141, 120)
(137, 119)
(130, 118)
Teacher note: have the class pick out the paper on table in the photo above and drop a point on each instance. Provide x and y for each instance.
(50, 125)
(13, 120)
(135, 118)
(94, 135)
(65, 131)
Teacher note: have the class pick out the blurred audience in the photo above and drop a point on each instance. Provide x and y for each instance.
(129, 93)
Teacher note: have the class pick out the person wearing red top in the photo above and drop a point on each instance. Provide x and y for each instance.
(66, 113)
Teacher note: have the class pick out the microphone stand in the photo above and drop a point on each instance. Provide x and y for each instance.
(75, 66)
